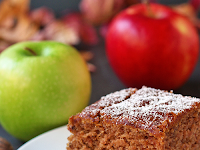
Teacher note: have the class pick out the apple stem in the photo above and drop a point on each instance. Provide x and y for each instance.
(147, 4)
(31, 51)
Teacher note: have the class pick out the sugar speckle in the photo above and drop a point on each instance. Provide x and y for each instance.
(109, 100)
(146, 106)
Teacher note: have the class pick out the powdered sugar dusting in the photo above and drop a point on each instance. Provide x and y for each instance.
(148, 107)
(108, 100)
(143, 108)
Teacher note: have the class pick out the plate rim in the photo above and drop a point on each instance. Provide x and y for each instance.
(43, 135)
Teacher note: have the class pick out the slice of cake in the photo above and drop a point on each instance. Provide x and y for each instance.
(131, 119)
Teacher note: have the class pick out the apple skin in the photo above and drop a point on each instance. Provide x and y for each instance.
(157, 48)
(39, 93)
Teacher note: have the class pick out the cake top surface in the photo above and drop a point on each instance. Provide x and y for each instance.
(144, 108)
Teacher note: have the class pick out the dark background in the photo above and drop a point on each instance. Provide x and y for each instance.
(104, 80)
(60, 5)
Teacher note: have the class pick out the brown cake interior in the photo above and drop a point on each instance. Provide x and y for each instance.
(103, 126)
(184, 134)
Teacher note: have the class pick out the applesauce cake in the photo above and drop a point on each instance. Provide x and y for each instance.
(132, 119)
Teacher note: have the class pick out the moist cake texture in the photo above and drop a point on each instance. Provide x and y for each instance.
(131, 119)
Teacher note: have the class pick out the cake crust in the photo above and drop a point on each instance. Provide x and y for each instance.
(140, 119)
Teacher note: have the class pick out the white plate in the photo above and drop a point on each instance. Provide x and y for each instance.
(55, 139)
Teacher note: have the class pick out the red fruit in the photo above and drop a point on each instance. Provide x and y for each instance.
(100, 11)
(86, 31)
(156, 47)
(195, 4)
(42, 16)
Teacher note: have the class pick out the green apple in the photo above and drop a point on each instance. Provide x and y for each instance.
(41, 85)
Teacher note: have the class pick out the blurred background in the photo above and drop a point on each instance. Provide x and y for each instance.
(104, 79)
(62, 5)
(109, 81)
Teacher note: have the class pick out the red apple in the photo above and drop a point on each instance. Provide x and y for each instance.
(152, 45)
